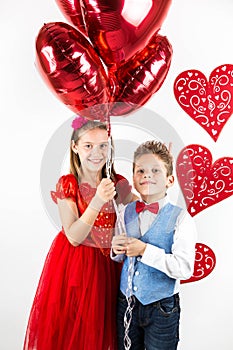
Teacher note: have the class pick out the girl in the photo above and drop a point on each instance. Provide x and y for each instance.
(75, 302)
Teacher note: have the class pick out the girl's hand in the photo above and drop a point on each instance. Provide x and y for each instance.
(119, 244)
(135, 247)
(106, 190)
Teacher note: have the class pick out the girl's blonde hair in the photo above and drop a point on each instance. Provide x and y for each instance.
(75, 164)
(159, 149)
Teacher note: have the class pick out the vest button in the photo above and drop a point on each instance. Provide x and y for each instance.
(135, 288)
(138, 258)
(136, 273)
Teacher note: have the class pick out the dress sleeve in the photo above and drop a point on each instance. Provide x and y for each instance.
(123, 189)
(66, 187)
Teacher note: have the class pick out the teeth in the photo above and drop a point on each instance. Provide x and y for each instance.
(147, 183)
(95, 160)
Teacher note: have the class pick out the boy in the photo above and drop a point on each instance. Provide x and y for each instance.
(161, 241)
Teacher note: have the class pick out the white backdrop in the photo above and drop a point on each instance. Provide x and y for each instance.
(201, 34)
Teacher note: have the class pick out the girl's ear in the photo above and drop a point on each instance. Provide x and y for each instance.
(170, 181)
(74, 147)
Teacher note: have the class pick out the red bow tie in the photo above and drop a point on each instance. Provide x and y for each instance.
(153, 207)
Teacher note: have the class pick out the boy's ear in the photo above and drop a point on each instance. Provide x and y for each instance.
(170, 181)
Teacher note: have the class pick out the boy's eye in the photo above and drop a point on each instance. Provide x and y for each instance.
(155, 171)
(140, 171)
(103, 145)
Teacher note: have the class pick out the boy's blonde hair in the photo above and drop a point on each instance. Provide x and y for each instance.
(157, 148)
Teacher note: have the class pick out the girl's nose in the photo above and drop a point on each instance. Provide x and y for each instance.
(95, 150)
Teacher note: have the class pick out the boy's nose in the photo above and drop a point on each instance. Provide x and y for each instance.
(147, 174)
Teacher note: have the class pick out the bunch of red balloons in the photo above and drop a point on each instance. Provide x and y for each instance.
(111, 53)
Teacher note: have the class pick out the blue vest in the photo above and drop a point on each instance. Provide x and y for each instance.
(148, 283)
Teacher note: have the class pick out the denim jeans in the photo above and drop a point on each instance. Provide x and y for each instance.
(153, 327)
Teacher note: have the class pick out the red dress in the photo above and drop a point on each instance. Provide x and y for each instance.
(75, 303)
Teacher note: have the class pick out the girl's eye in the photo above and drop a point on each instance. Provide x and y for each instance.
(88, 146)
(140, 171)
(155, 171)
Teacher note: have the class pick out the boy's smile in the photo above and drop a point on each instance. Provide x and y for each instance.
(147, 182)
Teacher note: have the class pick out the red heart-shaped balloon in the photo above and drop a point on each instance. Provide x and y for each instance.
(140, 77)
(72, 69)
(205, 262)
(73, 13)
(120, 28)
(203, 184)
(210, 104)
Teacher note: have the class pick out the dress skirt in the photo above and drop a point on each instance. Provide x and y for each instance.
(76, 297)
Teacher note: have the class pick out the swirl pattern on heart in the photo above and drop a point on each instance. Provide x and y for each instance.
(203, 184)
(210, 104)
(205, 262)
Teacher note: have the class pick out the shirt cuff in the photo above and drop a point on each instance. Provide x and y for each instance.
(117, 258)
(150, 254)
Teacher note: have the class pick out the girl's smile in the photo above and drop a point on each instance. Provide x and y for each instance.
(95, 161)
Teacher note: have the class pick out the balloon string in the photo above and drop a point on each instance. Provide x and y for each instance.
(109, 158)
(129, 290)
(107, 119)
(130, 304)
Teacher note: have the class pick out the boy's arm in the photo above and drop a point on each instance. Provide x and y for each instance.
(118, 247)
(180, 263)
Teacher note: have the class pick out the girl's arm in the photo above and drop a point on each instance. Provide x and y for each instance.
(78, 227)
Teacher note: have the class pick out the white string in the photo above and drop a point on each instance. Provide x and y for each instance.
(109, 160)
(130, 304)
(129, 290)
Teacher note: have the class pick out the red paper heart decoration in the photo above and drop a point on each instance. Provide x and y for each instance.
(205, 262)
(203, 184)
(72, 69)
(210, 104)
(120, 28)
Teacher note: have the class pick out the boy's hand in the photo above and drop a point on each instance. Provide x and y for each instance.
(119, 243)
(135, 247)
